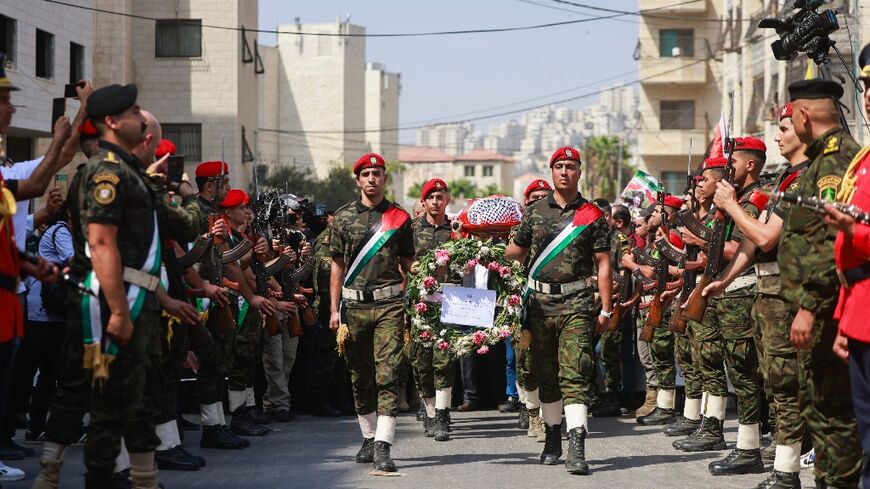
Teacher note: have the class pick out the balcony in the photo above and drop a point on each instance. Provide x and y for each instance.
(668, 7)
(672, 142)
(684, 63)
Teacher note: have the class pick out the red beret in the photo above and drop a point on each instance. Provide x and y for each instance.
(676, 240)
(539, 184)
(234, 198)
(166, 147)
(434, 185)
(565, 153)
(87, 129)
(673, 201)
(369, 160)
(749, 143)
(785, 112)
(212, 169)
(715, 162)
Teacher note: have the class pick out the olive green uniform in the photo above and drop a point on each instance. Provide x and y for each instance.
(610, 340)
(809, 281)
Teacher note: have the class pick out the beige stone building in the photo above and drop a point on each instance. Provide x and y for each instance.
(680, 96)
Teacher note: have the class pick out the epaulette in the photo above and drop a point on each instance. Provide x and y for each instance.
(759, 198)
(832, 145)
(112, 158)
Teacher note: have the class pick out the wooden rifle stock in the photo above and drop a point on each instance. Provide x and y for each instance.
(646, 334)
(656, 311)
(697, 303)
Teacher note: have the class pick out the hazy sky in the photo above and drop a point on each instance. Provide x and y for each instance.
(455, 77)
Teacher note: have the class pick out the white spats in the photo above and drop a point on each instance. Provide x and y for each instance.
(716, 407)
(551, 413)
(705, 399)
(166, 434)
(250, 400)
(443, 397)
(211, 414)
(237, 399)
(429, 404)
(533, 401)
(368, 424)
(788, 458)
(53, 451)
(692, 409)
(386, 429)
(748, 436)
(521, 394)
(576, 415)
(665, 398)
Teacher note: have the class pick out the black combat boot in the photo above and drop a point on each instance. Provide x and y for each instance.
(366, 453)
(523, 421)
(218, 436)
(428, 425)
(173, 459)
(678, 444)
(258, 416)
(552, 445)
(708, 438)
(243, 425)
(768, 453)
(196, 458)
(383, 461)
(781, 480)
(440, 426)
(575, 462)
(682, 426)
(739, 461)
(607, 406)
(658, 416)
(511, 405)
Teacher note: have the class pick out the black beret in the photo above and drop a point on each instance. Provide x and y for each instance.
(815, 89)
(111, 100)
(864, 62)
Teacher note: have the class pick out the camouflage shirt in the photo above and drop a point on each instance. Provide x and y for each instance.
(322, 270)
(352, 222)
(427, 236)
(205, 265)
(110, 189)
(806, 247)
(177, 223)
(747, 203)
(620, 246)
(576, 261)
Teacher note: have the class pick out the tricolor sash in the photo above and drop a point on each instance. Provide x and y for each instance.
(99, 349)
(583, 217)
(375, 239)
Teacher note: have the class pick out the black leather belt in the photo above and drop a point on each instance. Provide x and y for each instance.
(852, 276)
(9, 282)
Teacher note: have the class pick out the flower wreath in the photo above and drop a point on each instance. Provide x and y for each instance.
(456, 258)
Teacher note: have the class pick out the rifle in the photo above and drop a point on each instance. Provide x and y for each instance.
(62, 276)
(696, 304)
(290, 283)
(223, 323)
(818, 205)
(678, 323)
(625, 284)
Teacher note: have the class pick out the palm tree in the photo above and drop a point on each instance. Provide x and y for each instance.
(603, 165)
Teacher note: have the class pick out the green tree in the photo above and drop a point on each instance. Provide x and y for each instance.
(602, 166)
(414, 190)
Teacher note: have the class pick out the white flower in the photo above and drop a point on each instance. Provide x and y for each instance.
(432, 267)
(484, 250)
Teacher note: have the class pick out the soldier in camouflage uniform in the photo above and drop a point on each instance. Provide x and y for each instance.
(433, 368)
(114, 217)
(771, 314)
(809, 277)
(561, 302)
(372, 245)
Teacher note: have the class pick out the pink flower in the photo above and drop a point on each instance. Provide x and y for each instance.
(425, 335)
(442, 257)
(505, 271)
(493, 266)
(478, 337)
(469, 267)
(483, 350)
(514, 300)
(504, 333)
(421, 307)
(430, 282)
(443, 345)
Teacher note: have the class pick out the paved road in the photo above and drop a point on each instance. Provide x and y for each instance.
(486, 452)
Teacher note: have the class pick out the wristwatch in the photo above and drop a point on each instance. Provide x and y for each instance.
(606, 314)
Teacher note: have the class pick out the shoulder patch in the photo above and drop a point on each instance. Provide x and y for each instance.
(106, 177)
(759, 199)
(111, 157)
(832, 145)
(828, 187)
(104, 193)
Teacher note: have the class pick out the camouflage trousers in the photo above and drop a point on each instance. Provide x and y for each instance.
(245, 351)
(174, 342)
(644, 355)
(661, 349)
(688, 363)
(117, 405)
(214, 360)
(826, 405)
(432, 368)
(773, 316)
(610, 358)
(374, 352)
(562, 354)
(525, 377)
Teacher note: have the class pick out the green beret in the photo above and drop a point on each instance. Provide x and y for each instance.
(111, 100)
(815, 89)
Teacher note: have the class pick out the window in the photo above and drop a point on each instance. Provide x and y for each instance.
(674, 182)
(178, 38)
(187, 139)
(7, 37)
(487, 170)
(676, 42)
(44, 54)
(469, 170)
(677, 114)
(76, 62)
